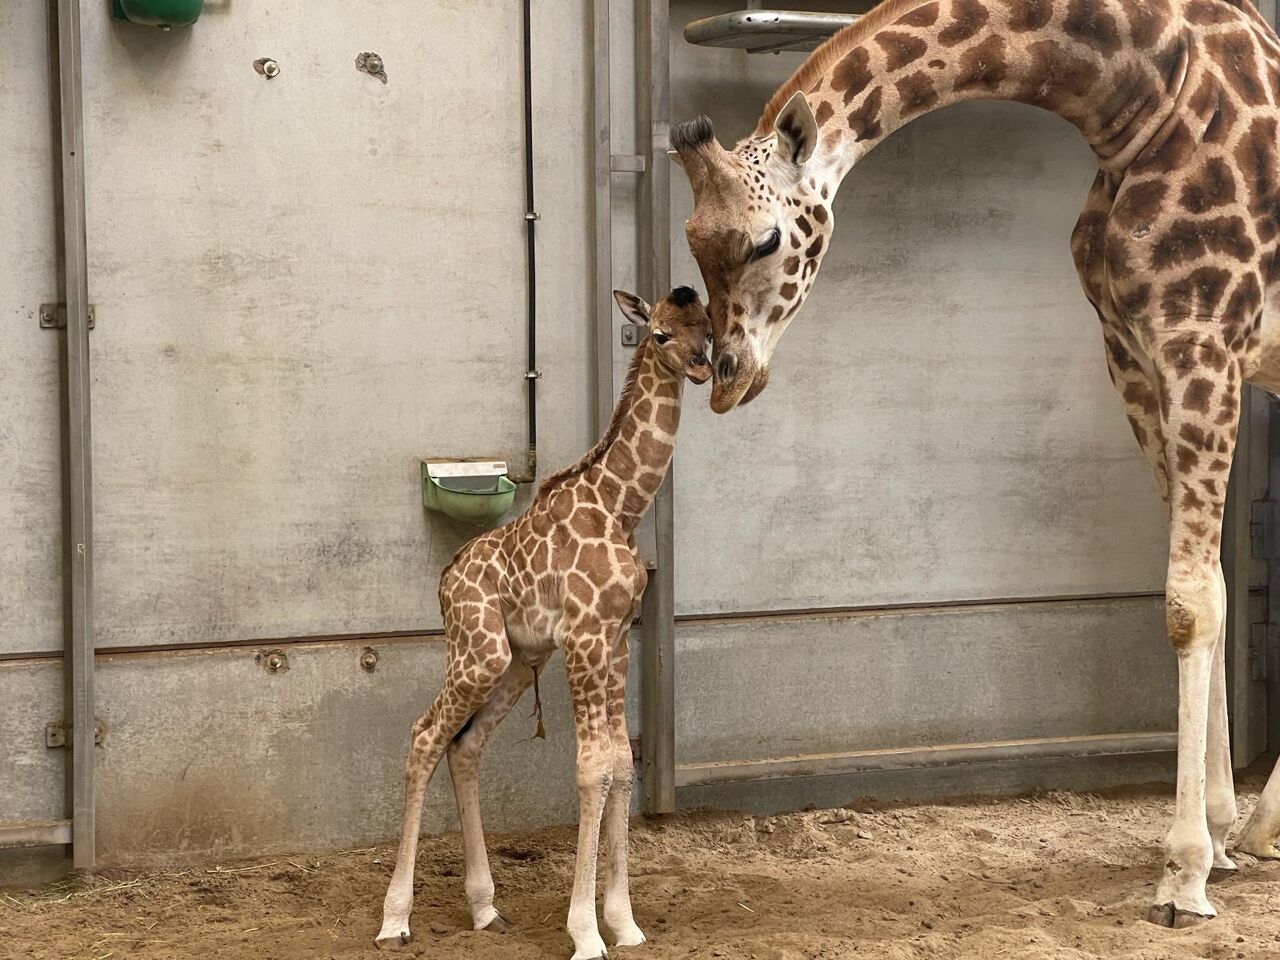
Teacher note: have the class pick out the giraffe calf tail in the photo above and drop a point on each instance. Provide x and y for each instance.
(541, 732)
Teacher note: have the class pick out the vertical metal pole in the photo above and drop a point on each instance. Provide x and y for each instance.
(657, 624)
(78, 519)
(603, 295)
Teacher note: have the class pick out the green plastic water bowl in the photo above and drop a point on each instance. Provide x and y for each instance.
(157, 13)
(478, 493)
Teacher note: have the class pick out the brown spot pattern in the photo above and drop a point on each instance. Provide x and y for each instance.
(967, 18)
(900, 48)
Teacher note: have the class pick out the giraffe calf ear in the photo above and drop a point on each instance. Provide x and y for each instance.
(633, 308)
(797, 130)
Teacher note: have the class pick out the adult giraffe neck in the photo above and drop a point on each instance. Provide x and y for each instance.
(1112, 68)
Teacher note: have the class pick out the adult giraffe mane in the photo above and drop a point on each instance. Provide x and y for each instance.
(822, 59)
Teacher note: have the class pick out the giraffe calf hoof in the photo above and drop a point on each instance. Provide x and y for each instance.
(395, 942)
(497, 925)
(1223, 864)
(1167, 915)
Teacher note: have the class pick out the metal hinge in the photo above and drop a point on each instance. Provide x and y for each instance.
(58, 735)
(1264, 530)
(53, 316)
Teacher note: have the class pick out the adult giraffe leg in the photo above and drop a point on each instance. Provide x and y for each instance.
(1258, 838)
(464, 770)
(617, 892)
(478, 658)
(587, 655)
(1220, 790)
(1199, 387)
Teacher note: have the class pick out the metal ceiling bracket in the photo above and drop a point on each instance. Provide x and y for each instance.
(53, 316)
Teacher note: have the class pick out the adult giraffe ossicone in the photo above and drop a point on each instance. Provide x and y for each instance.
(1179, 101)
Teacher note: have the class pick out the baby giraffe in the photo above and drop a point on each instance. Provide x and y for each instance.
(565, 574)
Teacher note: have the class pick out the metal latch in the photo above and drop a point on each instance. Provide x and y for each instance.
(53, 316)
(58, 735)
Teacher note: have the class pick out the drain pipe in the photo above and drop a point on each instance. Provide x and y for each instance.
(531, 217)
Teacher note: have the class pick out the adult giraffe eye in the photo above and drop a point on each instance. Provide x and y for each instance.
(770, 244)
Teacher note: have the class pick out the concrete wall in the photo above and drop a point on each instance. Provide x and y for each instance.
(305, 284)
(30, 464)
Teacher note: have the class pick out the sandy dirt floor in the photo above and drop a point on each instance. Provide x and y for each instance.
(1053, 876)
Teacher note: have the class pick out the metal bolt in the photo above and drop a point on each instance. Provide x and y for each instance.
(267, 67)
(273, 661)
(368, 659)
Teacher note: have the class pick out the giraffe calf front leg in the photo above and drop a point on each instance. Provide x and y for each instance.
(587, 665)
(617, 811)
(464, 769)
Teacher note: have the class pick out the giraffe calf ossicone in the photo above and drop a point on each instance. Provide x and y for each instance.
(564, 574)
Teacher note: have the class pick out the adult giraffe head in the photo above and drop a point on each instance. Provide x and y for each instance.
(760, 226)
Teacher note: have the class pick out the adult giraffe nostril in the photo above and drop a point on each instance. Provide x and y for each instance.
(726, 367)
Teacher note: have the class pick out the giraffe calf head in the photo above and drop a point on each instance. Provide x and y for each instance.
(678, 327)
(760, 226)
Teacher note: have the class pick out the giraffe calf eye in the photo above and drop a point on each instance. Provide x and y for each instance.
(660, 338)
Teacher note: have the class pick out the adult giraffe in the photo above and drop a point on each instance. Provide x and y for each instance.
(1179, 101)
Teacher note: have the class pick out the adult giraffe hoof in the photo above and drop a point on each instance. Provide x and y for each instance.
(1223, 864)
(497, 925)
(395, 942)
(1167, 915)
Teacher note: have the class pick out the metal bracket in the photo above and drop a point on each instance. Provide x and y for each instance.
(631, 334)
(1264, 530)
(53, 316)
(57, 735)
(626, 163)
(1258, 637)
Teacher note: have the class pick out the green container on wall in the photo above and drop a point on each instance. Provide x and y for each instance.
(477, 492)
(157, 13)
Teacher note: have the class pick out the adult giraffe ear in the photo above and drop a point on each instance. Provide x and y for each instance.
(797, 130)
(633, 308)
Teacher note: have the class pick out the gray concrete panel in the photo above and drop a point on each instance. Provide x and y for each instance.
(30, 454)
(939, 422)
(760, 688)
(208, 754)
(306, 283)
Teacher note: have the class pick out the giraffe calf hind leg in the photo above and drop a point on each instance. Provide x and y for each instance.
(481, 658)
(464, 769)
